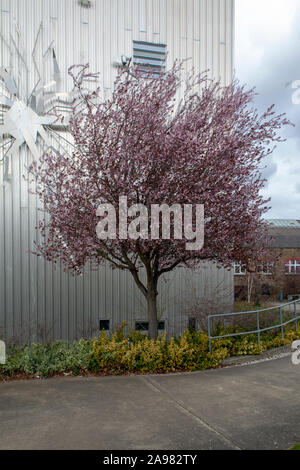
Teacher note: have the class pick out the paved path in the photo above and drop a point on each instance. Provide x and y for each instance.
(253, 406)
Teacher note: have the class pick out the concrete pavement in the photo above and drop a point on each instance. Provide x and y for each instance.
(253, 406)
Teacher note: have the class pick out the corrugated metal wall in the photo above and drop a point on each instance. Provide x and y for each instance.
(37, 302)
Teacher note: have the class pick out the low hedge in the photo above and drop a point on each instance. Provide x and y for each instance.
(136, 353)
(45, 360)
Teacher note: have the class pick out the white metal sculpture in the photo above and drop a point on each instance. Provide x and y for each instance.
(25, 115)
(22, 123)
(37, 111)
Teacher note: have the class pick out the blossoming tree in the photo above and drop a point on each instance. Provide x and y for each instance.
(146, 144)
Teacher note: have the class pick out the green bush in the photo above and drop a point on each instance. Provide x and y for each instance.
(47, 359)
(136, 353)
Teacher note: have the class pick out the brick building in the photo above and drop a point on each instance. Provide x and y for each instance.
(279, 275)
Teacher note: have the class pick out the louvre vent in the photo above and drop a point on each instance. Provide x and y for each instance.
(85, 3)
(149, 57)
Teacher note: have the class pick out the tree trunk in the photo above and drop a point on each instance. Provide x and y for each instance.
(152, 310)
(152, 314)
(250, 285)
(150, 293)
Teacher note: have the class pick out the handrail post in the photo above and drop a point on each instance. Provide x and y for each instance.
(208, 331)
(295, 315)
(258, 327)
(282, 333)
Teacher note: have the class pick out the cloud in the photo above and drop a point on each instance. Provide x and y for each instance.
(267, 56)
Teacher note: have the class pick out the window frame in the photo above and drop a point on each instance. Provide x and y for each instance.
(292, 263)
(269, 265)
(241, 269)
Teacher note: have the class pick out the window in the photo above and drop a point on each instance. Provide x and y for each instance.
(192, 324)
(104, 325)
(266, 267)
(149, 57)
(144, 325)
(292, 266)
(141, 326)
(239, 269)
(265, 290)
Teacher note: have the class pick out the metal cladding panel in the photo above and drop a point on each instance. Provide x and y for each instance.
(38, 302)
(283, 223)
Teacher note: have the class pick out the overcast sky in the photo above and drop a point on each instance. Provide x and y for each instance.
(267, 55)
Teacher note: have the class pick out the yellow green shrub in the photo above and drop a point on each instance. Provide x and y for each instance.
(136, 353)
(188, 352)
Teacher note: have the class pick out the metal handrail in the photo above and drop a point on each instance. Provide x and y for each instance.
(258, 330)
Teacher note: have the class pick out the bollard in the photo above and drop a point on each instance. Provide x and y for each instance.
(2, 353)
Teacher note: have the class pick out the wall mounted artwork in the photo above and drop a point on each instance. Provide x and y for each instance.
(28, 113)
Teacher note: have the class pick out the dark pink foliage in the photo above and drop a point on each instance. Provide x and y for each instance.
(143, 144)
